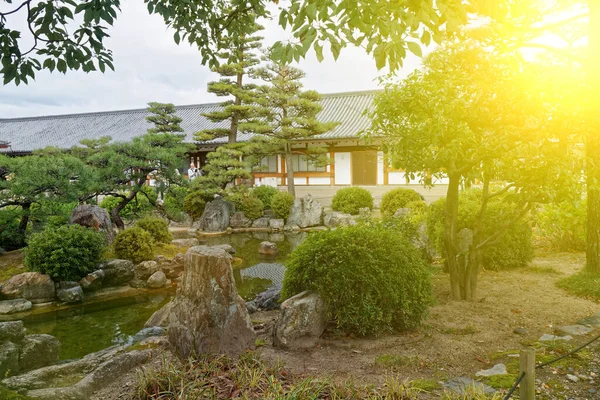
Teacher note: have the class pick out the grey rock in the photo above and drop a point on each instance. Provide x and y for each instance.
(574, 330)
(92, 281)
(302, 320)
(572, 378)
(291, 228)
(145, 269)
(138, 283)
(38, 351)
(208, 316)
(239, 220)
(227, 247)
(149, 332)
(33, 286)
(160, 317)
(14, 306)
(269, 299)
(185, 243)
(2, 251)
(498, 369)
(251, 307)
(117, 272)
(519, 330)
(93, 217)
(305, 212)
(593, 321)
(157, 280)
(70, 295)
(276, 224)
(215, 217)
(461, 385)
(178, 259)
(262, 222)
(334, 219)
(268, 249)
(12, 330)
(9, 359)
(551, 338)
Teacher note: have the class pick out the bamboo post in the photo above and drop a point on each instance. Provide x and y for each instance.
(527, 386)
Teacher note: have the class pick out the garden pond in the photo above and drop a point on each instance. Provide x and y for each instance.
(91, 327)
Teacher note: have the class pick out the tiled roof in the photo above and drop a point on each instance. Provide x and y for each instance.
(65, 131)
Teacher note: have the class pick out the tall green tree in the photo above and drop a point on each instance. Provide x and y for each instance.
(122, 169)
(472, 114)
(238, 53)
(289, 116)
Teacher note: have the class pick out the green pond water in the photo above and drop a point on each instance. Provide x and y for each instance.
(88, 328)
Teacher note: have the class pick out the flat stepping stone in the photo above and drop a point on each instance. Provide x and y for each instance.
(14, 306)
(593, 321)
(546, 337)
(498, 369)
(461, 384)
(574, 330)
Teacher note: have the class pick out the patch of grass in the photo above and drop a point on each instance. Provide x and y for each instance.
(6, 394)
(582, 284)
(425, 385)
(501, 381)
(543, 270)
(471, 393)
(394, 361)
(467, 330)
(250, 378)
(259, 342)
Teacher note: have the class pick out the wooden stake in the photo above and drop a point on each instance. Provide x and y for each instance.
(527, 387)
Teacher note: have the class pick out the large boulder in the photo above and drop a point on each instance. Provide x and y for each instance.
(14, 306)
(276, 224)
(13, 331)
(93, 217)
(9, 359)
(157, 280)
(215, 217)
(239, 220)
(33, 286)
(117, 272)
(38, 351)
(160, 317)
(268, 249)
(262, 222)
(301, 322)
(71, 294)
(208, 316)
(92, 281)
(305, 212)
(145, 269)
(334, 219)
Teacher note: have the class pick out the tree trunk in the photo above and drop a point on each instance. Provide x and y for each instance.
(593, 141)
(235, 118)
(451, 215)
(290, 173)
(114, 214)
(26, 208)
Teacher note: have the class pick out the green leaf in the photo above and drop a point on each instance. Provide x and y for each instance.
(61, 66)
(380, 56)
(318, 51)
(177, 37)
(414, 48)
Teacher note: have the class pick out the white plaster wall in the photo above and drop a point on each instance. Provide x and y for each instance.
(279, 158)
(396, 178)
(319, 181)
(342, 169)
(300, 181)
(380, 167)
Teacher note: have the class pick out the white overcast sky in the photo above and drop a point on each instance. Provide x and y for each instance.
(149, 66)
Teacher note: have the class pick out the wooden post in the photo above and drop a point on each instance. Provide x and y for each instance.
(527, 387)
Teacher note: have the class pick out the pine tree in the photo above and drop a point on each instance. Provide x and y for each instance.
(288, 115)
(163, 117)
(238, 53)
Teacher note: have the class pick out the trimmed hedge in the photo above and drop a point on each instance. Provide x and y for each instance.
(158, 228)
(134, 244)
(281, 204)
(397, 198)
(350, 200)
(372, 279)
(68, 252)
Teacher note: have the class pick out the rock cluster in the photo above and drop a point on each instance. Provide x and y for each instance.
(305, 212)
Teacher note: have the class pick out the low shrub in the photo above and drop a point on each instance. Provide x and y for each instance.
(372, 279)
(281, 204)
(513, 249)
(68, 252)
(398, 198)
(194, 204)
(265, 194)
(134, 244)
(563, 226)
(158, 228)
(350, 200)
(251, 206)
(173, 203)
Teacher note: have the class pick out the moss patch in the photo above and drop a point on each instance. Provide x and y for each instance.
(6, 394)
(582, 284)
(426, 385)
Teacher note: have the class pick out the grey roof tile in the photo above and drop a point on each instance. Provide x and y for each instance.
(65, 131)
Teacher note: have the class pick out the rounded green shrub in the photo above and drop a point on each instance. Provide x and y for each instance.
(513, 249)
(265, 194)
(372, 279)
(563, 226)
(350, 200)
(194, 204)
(68, 252)
(281, 204)
(397, 198)
(252, 207)
(158, 228)
(134, 244)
